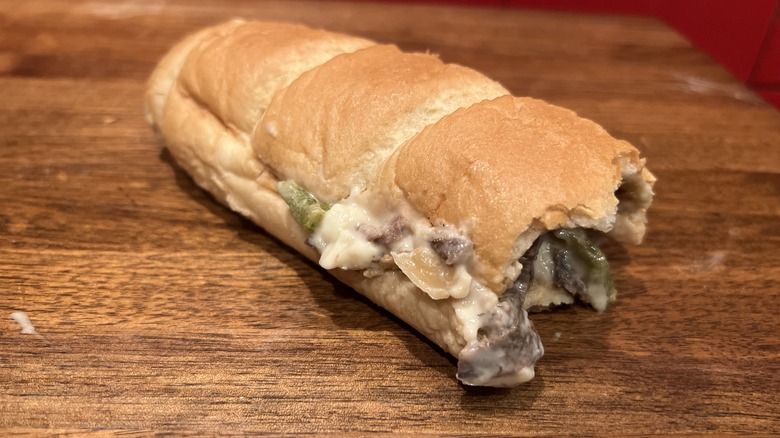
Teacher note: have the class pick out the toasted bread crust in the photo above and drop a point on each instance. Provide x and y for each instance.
(334, 127)
(237, 74)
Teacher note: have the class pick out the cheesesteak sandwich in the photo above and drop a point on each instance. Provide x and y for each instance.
(425, 186)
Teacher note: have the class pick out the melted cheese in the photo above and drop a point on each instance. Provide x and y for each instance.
(468, 310)
(340, 242)
(342, 239)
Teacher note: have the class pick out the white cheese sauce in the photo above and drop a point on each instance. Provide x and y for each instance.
(344, 240)
(340, 242)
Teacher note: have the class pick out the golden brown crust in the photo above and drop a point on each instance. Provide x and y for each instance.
(333, 127)
(237, 74)
(166, 74)
(507, 166)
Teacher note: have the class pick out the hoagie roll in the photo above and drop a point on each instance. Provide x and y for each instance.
(424, 186)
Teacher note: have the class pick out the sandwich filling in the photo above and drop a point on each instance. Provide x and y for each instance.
(500, 344)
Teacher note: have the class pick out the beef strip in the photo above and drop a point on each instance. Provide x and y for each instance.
(507, 345)
(452, 250)
(566, 276)
(386, 235)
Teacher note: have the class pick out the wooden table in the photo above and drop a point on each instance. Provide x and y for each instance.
(157, 309)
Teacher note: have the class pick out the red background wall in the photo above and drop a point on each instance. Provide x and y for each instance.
(741, 35)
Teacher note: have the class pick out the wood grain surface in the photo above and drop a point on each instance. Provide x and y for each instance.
(157, 310)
